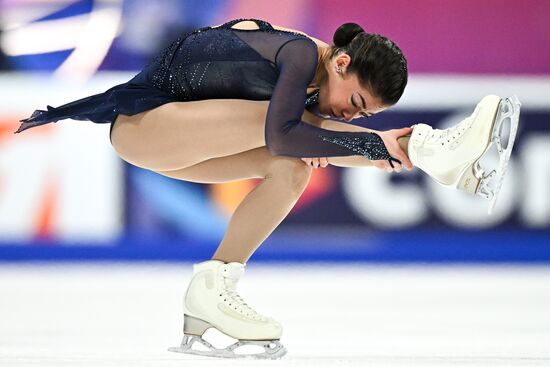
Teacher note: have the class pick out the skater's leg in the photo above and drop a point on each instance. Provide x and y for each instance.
(216, 302)
(263, 209)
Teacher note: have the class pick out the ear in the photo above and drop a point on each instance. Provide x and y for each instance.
(343, 60)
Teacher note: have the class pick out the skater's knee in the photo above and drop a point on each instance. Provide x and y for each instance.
(293, 172)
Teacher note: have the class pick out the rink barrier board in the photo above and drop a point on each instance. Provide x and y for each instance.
(313, 245)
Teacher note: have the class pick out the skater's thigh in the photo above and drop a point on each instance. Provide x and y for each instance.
(181, 134)
(254, 163)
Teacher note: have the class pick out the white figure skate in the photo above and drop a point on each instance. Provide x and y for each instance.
(452, 156)
(212, 301)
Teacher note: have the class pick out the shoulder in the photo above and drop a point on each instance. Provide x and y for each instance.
(318, 42)
(298, 51)
(251, 25)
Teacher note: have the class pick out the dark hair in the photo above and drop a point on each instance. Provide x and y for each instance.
(378, 62)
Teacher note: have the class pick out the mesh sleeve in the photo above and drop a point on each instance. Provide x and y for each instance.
(286, 134)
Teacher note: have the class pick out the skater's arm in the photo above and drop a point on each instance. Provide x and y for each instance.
(361, 161)
(349, 161)
(286, 134)
(355, 160)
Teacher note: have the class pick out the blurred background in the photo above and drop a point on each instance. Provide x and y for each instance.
(411, 273)
(65, 194)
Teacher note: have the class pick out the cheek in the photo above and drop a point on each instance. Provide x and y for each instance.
(336, 104)
(331, 100)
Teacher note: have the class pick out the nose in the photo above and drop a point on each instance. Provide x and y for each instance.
(347, 116)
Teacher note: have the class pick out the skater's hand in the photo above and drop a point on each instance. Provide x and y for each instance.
(316, 162)
(385, 166)
(390, 141)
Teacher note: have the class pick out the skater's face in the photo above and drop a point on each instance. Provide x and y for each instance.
(343, 97)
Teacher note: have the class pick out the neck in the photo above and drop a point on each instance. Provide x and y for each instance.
(321, 71)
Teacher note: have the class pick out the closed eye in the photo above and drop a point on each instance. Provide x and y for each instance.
(363, 114)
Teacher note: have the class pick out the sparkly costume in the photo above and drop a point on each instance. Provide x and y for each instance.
(222, 62)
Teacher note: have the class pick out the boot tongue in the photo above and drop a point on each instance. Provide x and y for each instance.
(233, 270)
(206, 265)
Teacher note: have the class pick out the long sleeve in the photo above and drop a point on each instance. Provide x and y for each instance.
(286, 134)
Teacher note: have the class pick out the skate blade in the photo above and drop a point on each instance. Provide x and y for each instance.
(472, 176)
(273, 349)
(512, 111)
(509, 109)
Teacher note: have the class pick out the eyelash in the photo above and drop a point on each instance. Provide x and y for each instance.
(354, 105)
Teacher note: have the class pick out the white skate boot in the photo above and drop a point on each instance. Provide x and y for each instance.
(212, 301)
(452, 156)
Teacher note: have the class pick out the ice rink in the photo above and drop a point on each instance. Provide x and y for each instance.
(115, 314)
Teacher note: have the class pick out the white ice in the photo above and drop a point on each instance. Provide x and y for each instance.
(113, 314)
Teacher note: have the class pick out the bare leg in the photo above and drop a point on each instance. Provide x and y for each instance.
(263, 209)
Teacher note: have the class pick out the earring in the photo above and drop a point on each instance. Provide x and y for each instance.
(339, 70)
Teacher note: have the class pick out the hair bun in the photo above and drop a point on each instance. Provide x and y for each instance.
(345, 33)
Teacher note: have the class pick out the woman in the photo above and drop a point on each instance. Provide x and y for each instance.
(227, 103)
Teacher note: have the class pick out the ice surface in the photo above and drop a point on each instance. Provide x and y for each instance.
(114, 314)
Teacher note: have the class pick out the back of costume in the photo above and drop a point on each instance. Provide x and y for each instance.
(223, 62)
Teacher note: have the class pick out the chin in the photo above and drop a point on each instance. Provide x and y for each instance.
(324, 112)
(325, 115)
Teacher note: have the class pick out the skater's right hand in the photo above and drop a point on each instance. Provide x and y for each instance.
(316, 162)
(385, 166)
(389, 138)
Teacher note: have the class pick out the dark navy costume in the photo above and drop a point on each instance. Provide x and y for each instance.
(222, 62)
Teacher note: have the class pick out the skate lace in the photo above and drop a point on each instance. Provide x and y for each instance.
(450, 135)
(235, 301)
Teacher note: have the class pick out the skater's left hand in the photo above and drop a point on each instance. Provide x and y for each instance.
(389, 138)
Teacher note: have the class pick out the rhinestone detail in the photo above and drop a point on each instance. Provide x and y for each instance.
(313, 99)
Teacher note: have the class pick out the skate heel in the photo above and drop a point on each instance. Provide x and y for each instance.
(194, 326)
(469, 182)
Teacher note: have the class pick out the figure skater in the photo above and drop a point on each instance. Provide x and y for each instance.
(247, 99)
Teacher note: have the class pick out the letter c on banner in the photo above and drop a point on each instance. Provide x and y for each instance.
(376, 199)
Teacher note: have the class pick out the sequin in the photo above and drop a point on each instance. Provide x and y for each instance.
(313, 98)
